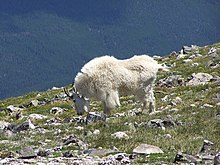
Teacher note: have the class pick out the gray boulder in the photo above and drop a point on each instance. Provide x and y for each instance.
(93, 117)
(199, 79)
(147, 149)
(27, 153)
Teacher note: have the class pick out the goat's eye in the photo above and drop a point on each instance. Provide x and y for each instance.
(74, 101)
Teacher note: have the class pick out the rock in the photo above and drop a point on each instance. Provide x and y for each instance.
(159, 123)
(213, 65)
(96, 132)
(147, 149)
(42, 152)
(135, 112)
(57, 110)
(187, 49)
(119, 115)
(68, 154)
(80, 128)
(192, 105)
(36, 117)
(217, 98)
(12, 108)
(20, 127)
(54, 121)
(195, 64)
(212, 50)
(206, 146)
(6, 154)
(174, 110)
(93, 117)
(177, 100)
(3, 126)
(217, 159)
(187, 60)
(122, 157)
(15, 112)
(27, 153)
(120, 135)
(199, 79)
(207, 106)
(171, 81)
(181, 56)
(173, 54)
(34, 103)
(186, 158)
(100, 152)
(167, 136)
(70, 139)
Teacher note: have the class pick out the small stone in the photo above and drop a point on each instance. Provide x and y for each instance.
(27, 153)
(99, 152)
(68, 154)
(12, 108)
(174, 110)
(3, 125)
(206, 146)
(217, 159)
(181, 56)
(120, 135)
(168, 136)
(178, 100)
(70, 139)
(95, 116)
(173, 54)
(186, 158)
(57, 110)
(195, 64)
(212, 50)
(79, 128)
(208, 106)
(36, 117)
(96, 132)
(192, 105)
(34, 103)
(147, 149)
(187, 60)
(42, 152)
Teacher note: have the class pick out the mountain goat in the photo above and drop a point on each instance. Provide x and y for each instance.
(107, 78)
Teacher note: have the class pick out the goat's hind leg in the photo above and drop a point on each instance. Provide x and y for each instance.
(149, 103)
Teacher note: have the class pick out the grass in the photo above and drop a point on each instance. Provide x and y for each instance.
(198, 122)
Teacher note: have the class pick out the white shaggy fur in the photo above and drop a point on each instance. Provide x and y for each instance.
(107, 78)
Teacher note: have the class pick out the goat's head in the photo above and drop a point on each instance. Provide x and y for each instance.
(82, 104)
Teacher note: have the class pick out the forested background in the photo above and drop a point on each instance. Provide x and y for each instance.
(44, 43)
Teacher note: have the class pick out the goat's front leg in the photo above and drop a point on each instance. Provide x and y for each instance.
(106, 110)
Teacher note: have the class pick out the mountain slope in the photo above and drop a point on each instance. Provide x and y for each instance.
(188, 109)
(45, 43)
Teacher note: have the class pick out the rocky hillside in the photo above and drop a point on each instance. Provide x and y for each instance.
(42, 127)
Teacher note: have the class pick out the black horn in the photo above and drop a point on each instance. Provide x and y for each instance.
(65, 91)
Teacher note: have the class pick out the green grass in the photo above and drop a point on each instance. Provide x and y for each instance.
(198, 123)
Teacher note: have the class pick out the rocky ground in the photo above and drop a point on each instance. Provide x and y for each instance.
(43, 128)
